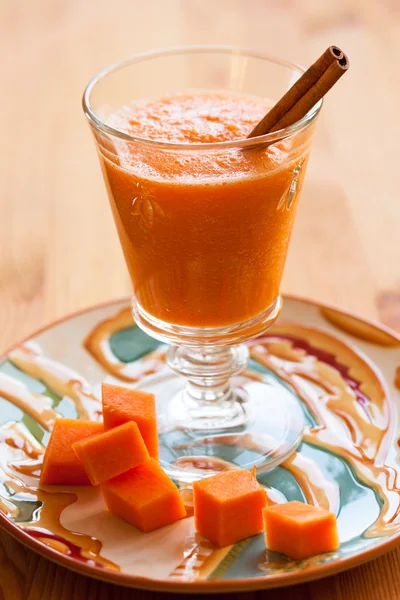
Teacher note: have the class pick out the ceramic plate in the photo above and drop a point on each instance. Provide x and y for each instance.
(342, 370)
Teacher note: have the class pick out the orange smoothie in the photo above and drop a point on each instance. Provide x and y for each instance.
(204, 231)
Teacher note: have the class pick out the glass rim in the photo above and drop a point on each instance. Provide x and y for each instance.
(268, 138)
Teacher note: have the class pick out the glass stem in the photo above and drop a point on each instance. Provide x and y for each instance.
(209, 397)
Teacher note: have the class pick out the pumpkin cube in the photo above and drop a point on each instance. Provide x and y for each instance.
(61, 466)
(145, 497)
(300, 530)
(228, 506)
(111, 453)
(121, 404)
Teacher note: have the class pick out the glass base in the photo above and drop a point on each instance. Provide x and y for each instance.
(265, 427)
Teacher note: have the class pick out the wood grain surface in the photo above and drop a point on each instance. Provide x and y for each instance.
(58, 248)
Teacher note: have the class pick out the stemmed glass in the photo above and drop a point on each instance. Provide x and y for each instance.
(206, 252)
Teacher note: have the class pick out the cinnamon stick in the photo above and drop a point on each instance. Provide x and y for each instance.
(305, 93)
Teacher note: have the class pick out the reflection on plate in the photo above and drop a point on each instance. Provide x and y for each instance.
(342, 370)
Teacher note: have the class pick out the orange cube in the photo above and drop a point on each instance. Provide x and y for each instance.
(111, 453)
(228, 506)
(145, 497)
(300, 530)
(61, 466)
(122, 404)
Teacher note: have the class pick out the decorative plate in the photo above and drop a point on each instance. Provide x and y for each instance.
(344, 372)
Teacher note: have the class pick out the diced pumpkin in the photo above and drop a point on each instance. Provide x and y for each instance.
(145, 497)
(300, 530)
(228, 506)
(61, 466)
(111, 453)
(121, 404)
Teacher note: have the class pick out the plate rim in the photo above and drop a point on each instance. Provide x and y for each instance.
(207, 585)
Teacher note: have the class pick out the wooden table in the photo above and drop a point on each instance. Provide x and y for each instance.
(58, 248)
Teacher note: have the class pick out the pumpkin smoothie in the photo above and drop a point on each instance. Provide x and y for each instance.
(204, 229)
